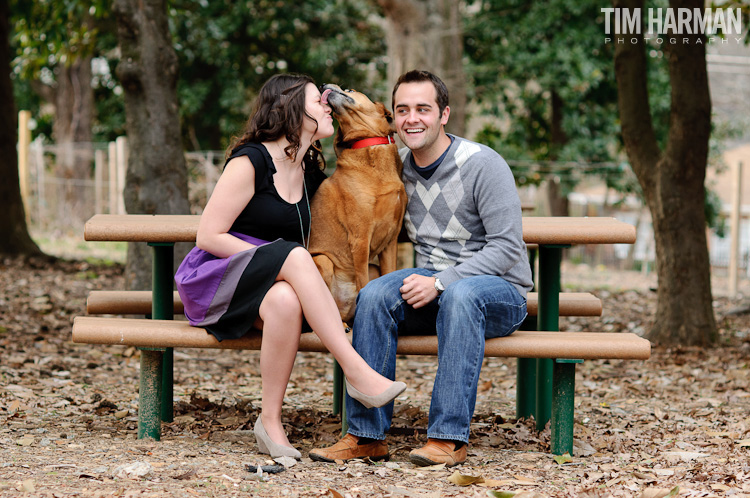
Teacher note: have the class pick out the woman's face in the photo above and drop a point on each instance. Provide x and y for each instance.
(320, 112)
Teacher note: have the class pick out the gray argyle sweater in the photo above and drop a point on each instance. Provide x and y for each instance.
(465, 220)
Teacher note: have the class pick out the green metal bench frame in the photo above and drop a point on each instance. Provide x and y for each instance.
(156, 337)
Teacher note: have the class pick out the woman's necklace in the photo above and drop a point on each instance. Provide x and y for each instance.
(305, 242)
(309, 214)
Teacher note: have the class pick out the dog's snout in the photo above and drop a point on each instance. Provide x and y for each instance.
(334, 96)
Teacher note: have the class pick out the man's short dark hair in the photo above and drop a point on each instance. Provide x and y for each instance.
(417, 76)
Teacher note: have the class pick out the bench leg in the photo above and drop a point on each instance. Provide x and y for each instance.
(167, 386)
(149, 395)
(526, 367)
(338, 387)
(162, 308)
(543, 392)
(344, 422)
(563, 392)
(526, 379)
(525, 387)
(339, 396)
(550, 257)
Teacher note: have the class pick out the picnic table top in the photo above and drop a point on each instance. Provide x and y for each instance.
(161, 228)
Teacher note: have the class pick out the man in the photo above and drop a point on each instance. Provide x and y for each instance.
(464, 217)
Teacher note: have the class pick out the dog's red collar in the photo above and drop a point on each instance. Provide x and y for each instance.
(366, 142)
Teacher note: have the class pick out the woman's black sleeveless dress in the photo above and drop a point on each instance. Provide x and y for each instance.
(223, 295)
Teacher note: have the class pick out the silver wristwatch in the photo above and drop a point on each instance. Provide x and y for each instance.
(439, 287)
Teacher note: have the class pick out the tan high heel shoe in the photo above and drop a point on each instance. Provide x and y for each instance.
(379, 399)
(267, 446)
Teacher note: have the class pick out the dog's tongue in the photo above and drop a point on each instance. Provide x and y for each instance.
(324, 97)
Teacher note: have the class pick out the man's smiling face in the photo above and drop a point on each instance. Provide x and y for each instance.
(418, 118)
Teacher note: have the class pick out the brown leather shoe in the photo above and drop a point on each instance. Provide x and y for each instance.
(438, 451)
(347, 448)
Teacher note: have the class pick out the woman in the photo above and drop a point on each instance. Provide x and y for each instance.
(251, 269)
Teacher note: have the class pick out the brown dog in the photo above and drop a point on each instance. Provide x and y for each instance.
(357, 212)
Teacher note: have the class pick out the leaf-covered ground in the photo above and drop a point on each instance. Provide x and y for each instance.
(678, 423)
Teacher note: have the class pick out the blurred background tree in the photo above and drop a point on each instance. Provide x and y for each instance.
(16, 240)
(542, 72)
(428, 34)
(228, 49)
(225, 50)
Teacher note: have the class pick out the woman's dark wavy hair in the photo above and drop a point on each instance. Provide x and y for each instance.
(279, 112)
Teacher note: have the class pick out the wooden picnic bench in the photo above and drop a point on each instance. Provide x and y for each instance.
(560, 350)
(566, 347)
(134, 302)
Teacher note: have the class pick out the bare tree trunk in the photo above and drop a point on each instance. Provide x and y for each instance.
(556, 187)
(428, 34)
(157, 175)
(558, 202)
(672, 180)
(452, 68)
(15, 240)
(406, 28)
(74, 110)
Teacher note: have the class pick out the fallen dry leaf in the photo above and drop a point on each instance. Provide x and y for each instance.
(492, 483)
(187, 475)
(27, 486)
(720, 487)
(561, 459)
(628, 414)
(660, 493)
(464, 480)
(500, 494)
(433, 468)
(14, 406)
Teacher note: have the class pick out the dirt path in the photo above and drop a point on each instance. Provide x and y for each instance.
(680, 421)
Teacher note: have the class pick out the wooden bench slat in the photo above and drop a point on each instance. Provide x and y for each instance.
(571, 304)
(182, 228)
(131, 302)
(576, 230)
(139, 303)
(521, 344)
(142, 227)
(547, 344)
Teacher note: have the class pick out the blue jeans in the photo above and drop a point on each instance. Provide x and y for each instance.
(464, 315)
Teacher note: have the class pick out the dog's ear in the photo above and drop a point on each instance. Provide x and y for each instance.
(386, 112)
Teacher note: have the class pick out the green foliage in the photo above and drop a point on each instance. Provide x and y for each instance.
(52, 32)
(540, 48)
(714, 218)
(28, 100)
(555, 98)
(228, 49)
(521, 55)
(110, 109)
(48, 34)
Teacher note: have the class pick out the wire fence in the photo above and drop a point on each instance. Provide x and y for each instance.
(60, 202)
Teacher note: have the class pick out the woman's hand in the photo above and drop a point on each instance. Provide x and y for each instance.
(418, 290)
